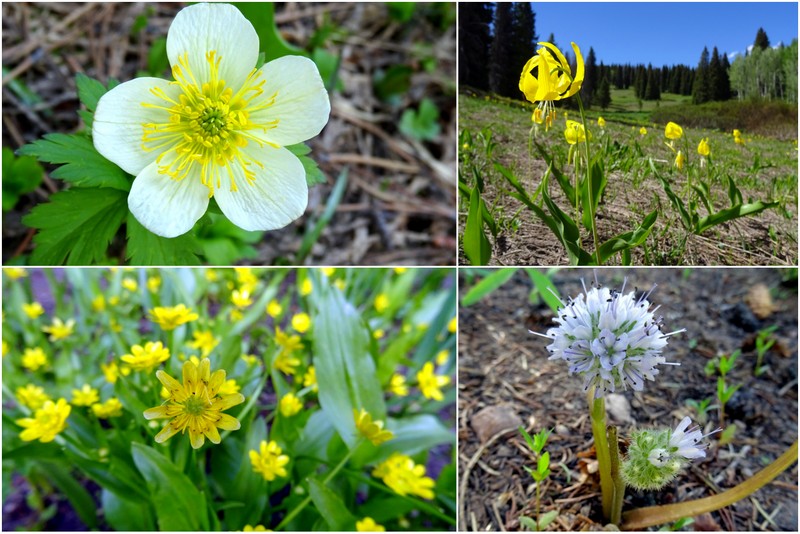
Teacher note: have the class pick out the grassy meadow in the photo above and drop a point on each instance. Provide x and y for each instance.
(639, 169)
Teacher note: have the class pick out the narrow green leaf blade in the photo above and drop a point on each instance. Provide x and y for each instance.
(331, 507)
(476, 245)
(487, 285)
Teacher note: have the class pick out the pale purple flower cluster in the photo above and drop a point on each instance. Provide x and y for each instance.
(614, 340)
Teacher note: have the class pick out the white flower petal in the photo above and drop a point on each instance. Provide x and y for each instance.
(164, 206)
(277, 196)
(301, 103)
(204, 27)
(117, 126)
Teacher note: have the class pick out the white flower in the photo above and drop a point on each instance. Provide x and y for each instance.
(613, 340)
(218, 130)
(687, 444)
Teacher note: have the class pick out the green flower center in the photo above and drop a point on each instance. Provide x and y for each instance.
(212, 121)
(195, 405)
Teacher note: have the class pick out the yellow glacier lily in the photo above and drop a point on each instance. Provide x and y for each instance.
(553, 79)
(575, 133)
(673, 131)
(703, 148)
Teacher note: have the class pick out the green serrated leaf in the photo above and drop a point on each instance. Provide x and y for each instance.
(147, 248)
(76, 226)
(314, 176)
(82, 164)
(89, 90)
(20, 176)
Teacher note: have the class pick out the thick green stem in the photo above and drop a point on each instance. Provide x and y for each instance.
(332, 473)
(642, 518)
(619, 484)
(598, 412)
(589, 184)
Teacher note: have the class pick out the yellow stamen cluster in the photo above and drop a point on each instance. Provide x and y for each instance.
(208, 124)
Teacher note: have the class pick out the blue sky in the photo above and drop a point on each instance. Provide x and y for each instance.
(663, 33)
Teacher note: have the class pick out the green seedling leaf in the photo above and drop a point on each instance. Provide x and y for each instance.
(727, 435)
(528, 523)
(82, 164)
(422, 124)
(147, 248)
(543, 464)
(547, 518)
(76, 226)
(476, 245)
(487, 286)
(734, 195)
(539, 441)
(178, 504)
(528, 438)
(20, 176)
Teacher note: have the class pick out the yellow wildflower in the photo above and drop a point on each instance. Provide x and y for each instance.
(15, 273)
(33, 359)
(378, 333)
(290, 405)
(372, 430)
(59, 330)
(400, 473)
(397, 385)
(442, 357)
(286, 363)
(328, 271)
(430, 384)
(195, 405)
(169, 318)
(369, 525)
(99, 303)
(575, 133)
(274, 308)
(703, 148)
(601, 122)
(381, 303)
(553, 79)
(269, 461)
(400, 270)
(33, 310)
(204, 341)
(257, 528)
(47, 421)
(301, 322)
(643, 131)
(246, 277)
(250, 359)
(148, 357)
(230, 387)
(110, 408)
(241, 298)
(130, 284)
(680, 160)
(452, 326)
(32, 396)
(673, 131)
(306, 287)
(310, 378)
(86, 396)
(211, 275)
(112, 371)
(153, 283)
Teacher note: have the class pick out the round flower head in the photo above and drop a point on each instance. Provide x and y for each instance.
(218, 130)
(614, 340)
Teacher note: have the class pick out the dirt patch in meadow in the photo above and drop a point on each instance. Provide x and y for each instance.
(627, 200)
(398, 205)
(502, 365)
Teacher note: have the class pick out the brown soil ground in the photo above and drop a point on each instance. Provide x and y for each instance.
(742, 242)
(398, 205)
(501, 364)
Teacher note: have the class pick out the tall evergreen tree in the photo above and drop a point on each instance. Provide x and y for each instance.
(502, 53)
(524, 40)
(604, 93)
(762, 41)
(552, 39)
(653, 88)
(701, 91)
(590, 78)
(474, 20)
(719, 81)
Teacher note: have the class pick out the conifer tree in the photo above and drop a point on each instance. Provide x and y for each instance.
(590, 78)
(500, 64)
(701, 91)
(474, 19)
(604, 93)
(762, 41)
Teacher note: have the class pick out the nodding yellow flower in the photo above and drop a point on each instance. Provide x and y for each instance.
(430, 384)
(112, 371)
(246, 277)
(204, 341)
(130, 284)
(369, 525)
(310, 378)
(218, 130)
(737, 133)
(452, 326)
(643, 131)
(372, 430)
(306, 287)
(146, 358)
(33, 359)
(15, 273)
(703, 148)
(575, 133)
(195, 405)
(110, 408)
(290, 405)
(32, 310)
(553, 79)
(32, 396)
(680, 159)
(99, 303)
(737, 137)
(274, 308)
(241, 298)
(286, 363)
(153, 283)
(47, 422)
(381, 303)
(169, 318)
(301, 322)
(86, 396)
(59, 329)
(442, 357)
(402, 475)
(601, 122)
(269, 461)
(673, 131)
(287, 343)
(397, 385)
